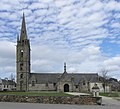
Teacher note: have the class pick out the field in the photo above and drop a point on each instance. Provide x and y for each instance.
(36, 93)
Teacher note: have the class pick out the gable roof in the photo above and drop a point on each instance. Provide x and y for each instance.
(8, 82)
(54, 77)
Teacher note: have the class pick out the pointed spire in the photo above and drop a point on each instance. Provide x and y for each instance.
(23, 34)
(65, 67)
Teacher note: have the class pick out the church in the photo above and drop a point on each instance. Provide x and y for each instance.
(61, 81)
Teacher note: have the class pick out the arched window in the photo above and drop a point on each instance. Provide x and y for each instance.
(84, 82)
(21, 76)
(21, 66)
(33, 83)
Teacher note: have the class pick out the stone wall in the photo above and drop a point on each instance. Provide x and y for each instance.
(86, 100)
(42, 87)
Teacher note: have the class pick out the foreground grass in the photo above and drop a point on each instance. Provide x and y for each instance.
(36, 93)
(113, 94)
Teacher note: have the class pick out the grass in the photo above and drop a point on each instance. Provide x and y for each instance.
(36, 93)
(113, 94)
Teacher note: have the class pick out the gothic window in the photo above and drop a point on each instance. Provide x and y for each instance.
(21, 66)
(33, 83)
(21, 76)
(25, 41)
(84, 83)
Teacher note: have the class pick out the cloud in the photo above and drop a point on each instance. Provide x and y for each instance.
(62, 30)
(113, 61)
(7, 58)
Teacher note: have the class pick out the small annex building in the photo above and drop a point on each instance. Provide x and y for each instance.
(7, 85)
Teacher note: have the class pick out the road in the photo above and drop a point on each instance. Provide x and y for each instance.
(108, 103)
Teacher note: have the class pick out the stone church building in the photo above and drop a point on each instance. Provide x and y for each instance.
(63, 82)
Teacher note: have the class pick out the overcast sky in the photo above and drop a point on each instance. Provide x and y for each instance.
(83, 33)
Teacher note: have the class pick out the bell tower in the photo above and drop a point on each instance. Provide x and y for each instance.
(23, 58)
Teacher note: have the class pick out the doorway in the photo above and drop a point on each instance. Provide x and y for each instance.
(66, 88)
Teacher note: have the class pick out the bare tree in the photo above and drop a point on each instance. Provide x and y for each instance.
(104, 74)
(12, 77)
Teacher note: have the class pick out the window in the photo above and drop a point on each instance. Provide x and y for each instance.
(84, 83)
(76, 86)
(54, 84)
(21, 66)
(21, 76)
(33, 83)
(25, 41)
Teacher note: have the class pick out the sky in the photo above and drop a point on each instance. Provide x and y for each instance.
(83, 33)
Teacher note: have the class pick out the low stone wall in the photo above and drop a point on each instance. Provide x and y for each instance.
(86, 100)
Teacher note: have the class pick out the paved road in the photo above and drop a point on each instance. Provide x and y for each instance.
(110, 101)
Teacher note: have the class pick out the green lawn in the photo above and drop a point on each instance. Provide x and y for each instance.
(113, 94)
(35, 93)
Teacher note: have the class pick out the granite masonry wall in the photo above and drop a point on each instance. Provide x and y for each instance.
(85, 100)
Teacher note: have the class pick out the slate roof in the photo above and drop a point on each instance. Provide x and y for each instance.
(45, 77)
(54, 77)
(8, 82)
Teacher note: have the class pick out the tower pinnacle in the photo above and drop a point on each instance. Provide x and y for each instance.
(65, 67)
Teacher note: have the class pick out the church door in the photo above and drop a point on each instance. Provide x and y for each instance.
(66, 88)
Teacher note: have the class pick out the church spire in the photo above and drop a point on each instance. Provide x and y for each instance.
(23, 34)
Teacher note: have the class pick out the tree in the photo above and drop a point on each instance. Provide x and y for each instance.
(12, 77)
(104, 74)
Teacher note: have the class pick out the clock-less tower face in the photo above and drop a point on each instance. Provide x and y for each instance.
(23, 59)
